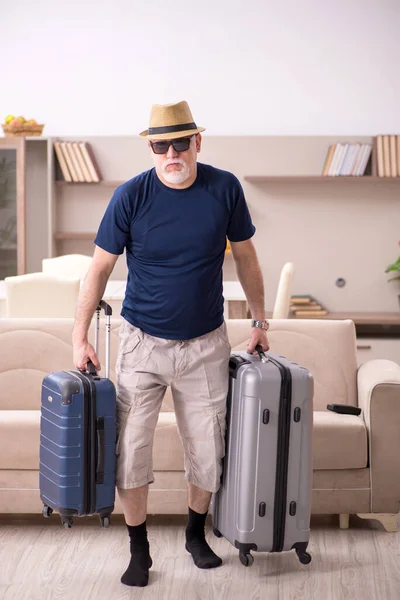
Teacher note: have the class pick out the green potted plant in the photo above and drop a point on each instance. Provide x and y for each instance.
(394, 267)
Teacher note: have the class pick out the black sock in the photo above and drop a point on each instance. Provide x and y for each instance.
(137, 573)
(196, 544)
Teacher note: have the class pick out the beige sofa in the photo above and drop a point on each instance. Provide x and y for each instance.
(356, 459)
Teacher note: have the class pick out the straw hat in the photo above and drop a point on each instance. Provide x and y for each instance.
(170, 121)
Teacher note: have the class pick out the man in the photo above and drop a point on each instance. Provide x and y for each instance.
(173, 221)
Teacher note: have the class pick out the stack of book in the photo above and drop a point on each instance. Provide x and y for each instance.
(388, 155)
(347, 160)
(306, 306)
(77, 162)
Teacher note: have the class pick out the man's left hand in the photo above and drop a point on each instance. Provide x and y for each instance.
(257, 336)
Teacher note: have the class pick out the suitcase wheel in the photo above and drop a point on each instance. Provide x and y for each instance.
(305, 558)
(67, 523)
(47, 511)
(105, 522)
(246, 559)
(217, 533)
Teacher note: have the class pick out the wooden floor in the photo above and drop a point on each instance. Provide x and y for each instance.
(39, 560)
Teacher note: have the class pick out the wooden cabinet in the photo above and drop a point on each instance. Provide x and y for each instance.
(371, 348)
(12, 207)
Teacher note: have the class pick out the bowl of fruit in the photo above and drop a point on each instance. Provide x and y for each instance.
(20, 126)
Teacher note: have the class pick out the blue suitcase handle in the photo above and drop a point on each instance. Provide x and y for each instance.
(91, 369)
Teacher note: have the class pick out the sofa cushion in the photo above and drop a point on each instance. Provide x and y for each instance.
(339, 441)
(327, 348)
(31, 348)
(19, 439)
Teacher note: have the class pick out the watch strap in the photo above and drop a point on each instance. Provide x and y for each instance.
(260, 324)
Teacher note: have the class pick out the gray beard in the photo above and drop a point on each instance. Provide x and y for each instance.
(176, 176)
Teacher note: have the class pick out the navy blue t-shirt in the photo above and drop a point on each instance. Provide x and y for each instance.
(175, 241)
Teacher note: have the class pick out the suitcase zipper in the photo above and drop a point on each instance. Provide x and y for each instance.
(282, 464)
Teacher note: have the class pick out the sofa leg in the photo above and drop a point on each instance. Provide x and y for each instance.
(344, 521)
(389, 521)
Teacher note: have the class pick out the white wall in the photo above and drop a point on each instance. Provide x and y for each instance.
(247, 68)
(265, 67)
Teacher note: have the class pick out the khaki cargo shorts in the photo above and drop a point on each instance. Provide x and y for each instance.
(197, 370)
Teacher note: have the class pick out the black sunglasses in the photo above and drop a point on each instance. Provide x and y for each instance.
(179, 145)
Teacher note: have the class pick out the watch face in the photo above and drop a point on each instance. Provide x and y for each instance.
(260, 324)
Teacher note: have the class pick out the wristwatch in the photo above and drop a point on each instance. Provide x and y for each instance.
(260, 324)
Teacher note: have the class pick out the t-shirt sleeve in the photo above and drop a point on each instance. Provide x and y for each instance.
(114, 230)
(240, 227)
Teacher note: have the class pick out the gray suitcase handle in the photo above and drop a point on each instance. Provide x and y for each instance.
(261, 353)
(108, 312)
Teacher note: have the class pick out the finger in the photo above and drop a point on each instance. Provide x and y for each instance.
(85, 363)
(95, 361)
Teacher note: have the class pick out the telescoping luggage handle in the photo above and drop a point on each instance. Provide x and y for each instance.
(108, 312)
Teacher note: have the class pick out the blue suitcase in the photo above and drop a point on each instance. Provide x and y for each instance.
(78, 440)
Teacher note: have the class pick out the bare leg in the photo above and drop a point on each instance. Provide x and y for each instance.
(134, 504)
(199, 500)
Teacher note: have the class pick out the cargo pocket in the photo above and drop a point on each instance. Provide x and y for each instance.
(129, 353)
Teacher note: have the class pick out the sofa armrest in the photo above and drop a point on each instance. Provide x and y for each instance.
(379, 397)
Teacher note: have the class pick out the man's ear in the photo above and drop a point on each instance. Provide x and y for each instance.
(198, 142)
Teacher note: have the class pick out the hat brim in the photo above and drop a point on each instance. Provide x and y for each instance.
(172, 135)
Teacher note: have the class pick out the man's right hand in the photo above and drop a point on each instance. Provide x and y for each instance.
(83, 352)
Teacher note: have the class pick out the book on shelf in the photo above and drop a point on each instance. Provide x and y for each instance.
(62, 162)
(345, 160)
(301, 299)
(398, 154)
(392, 156)
(77, 162)
(388, 155)
(90, 161)
(67, 155)
(328, 160)
(311, 313)
(306, 305)
(82, 163)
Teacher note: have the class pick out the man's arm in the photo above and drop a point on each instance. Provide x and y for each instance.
(250, 276)
(89, 297)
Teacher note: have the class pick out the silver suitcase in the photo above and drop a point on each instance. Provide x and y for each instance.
(264, 502)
